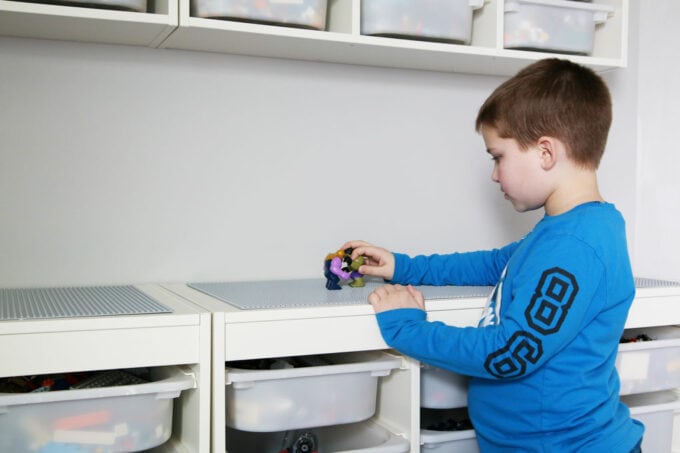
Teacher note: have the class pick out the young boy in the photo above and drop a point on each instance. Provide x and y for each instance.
(541, 361)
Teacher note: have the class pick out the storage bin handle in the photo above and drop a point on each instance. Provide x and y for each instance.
(600, 17)
(168, 395)
(476, 4)
(600, 12)
(242, 384)
(511, 7)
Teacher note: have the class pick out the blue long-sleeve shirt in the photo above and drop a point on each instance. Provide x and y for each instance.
(542, 361)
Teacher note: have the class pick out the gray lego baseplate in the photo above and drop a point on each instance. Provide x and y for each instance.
(74, 302)
(313, 293)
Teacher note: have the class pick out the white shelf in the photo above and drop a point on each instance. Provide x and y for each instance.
(75, 23)
(171, 25)
(343, 43)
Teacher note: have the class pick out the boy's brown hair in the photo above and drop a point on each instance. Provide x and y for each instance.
(556, 98)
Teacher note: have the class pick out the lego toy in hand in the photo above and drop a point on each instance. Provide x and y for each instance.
(339, 267)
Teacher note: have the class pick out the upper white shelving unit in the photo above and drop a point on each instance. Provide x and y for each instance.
(75, 23)
(171, 25)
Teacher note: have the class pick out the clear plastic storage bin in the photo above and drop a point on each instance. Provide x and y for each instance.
(440, 20)
(441, 389)
(445, 440)
(122, 418)
(341, 390)
(650, 366)
(295, 13)
(364, 437)
(553, 25)
(125, 5)
(655, 410)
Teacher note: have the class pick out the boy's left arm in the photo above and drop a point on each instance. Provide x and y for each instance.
(553, 297)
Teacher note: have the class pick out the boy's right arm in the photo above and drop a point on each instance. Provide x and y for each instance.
(480, 268)
(379, 261)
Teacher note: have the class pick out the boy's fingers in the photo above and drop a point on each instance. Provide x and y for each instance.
(378, 294)
(417, 295)
(375, 271)
(354, 244)
(361, 250)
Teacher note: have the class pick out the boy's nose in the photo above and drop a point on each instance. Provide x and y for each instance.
(494, 174)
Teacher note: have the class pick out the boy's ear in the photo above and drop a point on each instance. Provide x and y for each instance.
(548, 149)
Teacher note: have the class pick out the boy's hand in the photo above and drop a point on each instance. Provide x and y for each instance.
(391, 297)
(379, 261)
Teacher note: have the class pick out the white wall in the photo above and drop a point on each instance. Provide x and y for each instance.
(658, 241)
(124, 164)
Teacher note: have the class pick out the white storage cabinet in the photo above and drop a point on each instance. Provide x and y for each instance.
(334, 327)
(648, 366)
(346, 336)
(342, 325)
(171, 413)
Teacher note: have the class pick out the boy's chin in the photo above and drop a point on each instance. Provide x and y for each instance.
(523, 207)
